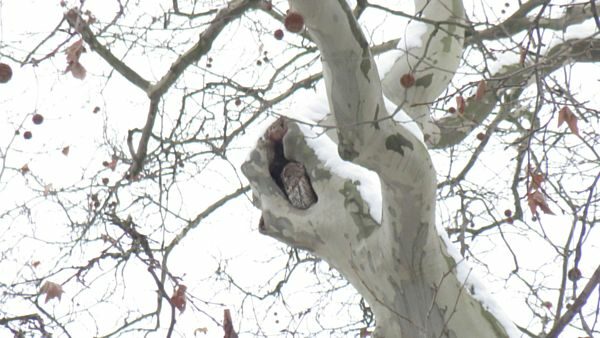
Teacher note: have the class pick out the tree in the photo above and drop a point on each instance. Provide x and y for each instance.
(153, 186)
(397, 262)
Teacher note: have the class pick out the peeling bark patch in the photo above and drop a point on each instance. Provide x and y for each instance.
(279, 224)
(347, 153)
(255, 200)
(397, 142)
(418, 245)
(450, 262)
(282, 229)
(395, 285)
(392, 212)
(365, 65)
(376, 118)
(447, 42)
(424, 81)
(321, 174)
(353, 27)
(370, 260)
(262, 184)
(346, 149)
(358, 210)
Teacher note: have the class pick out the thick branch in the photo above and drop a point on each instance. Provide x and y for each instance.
(34, 316)
(355, 96)
(431, 64)
(454, 128)
(139, 157)
(36, 319)
(353, 85)
(519, 22)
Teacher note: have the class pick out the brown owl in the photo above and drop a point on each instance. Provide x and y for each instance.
(290, 176)
(297, 187)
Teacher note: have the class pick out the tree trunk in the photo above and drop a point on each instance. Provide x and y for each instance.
(396, 260)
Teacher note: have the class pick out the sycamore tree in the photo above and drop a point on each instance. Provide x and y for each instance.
(440, 153)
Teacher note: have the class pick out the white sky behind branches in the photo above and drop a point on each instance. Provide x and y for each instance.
(38, 231)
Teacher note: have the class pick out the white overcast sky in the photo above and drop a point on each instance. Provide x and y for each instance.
(230, 233)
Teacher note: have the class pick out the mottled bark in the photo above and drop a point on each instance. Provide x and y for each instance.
(398, 263)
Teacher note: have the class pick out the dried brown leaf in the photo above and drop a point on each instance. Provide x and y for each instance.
(178, 298)
(74, 18)
(537, 200)
(566, 115)
(52, 290)
(201, 330)
(77, 70)
(74, 51)
(537, 179)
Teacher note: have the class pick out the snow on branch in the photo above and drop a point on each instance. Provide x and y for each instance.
(454, 128)
(424, 62)
(366, 133)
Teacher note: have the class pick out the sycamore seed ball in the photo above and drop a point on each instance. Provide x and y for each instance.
(37, 119)
(278, 34)
(294, 22)
(5, 73)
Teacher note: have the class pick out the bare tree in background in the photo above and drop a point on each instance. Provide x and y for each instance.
(513, 140)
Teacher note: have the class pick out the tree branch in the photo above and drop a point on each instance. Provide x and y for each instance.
(80, 25)
(142, 150)
(519, 21)
(234, 10)
(454, 128)
(577, 305)
(33, 316)
(201, 216)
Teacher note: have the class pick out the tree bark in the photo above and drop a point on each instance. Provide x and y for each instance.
(398, 261)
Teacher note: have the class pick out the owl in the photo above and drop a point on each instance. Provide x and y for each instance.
(289, 176)
(296, 186)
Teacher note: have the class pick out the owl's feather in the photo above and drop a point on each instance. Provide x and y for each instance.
(297, 186)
